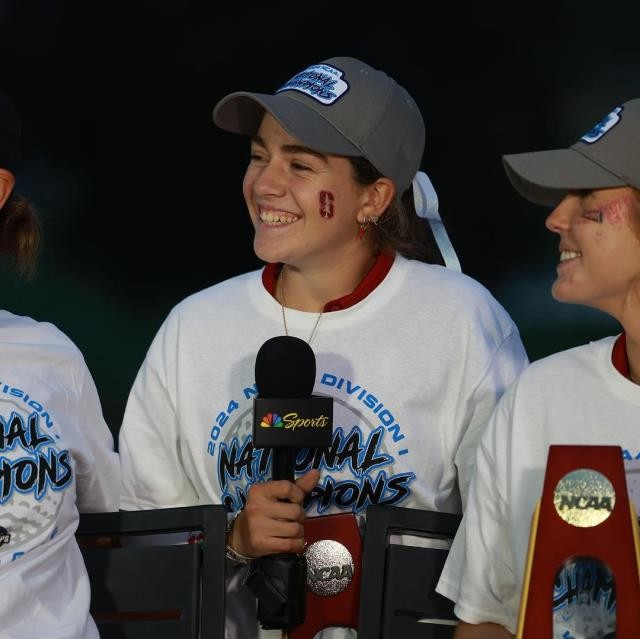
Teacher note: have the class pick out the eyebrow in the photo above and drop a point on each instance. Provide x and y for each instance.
(292, 148)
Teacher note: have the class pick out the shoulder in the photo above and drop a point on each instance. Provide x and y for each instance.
(209, 310)
(231, 289)
(577, 360)
(29, 344)
(457, 297)
(549, 401)
(24, 332)
(445, 281)
(563, 374)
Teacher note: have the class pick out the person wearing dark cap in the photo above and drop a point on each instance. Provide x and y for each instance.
(57, 455)
(586, 395)
(414, 354)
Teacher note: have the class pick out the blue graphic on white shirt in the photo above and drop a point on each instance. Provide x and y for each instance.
(34, 472)
(359, 467)
(355, 454)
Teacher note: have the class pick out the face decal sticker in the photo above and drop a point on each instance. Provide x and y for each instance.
(326, 204)
(615, 212)
(618, 211)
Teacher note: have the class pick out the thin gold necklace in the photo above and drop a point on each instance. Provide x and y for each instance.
(283, 303)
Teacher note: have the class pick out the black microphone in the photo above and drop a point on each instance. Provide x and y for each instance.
(286, 418)
(286, 415)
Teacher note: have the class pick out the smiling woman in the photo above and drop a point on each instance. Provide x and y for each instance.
(329, 189)
(56, 452)
(586, 395)
(307, 209)
(598, 230)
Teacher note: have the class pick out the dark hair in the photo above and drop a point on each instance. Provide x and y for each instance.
(399, 228)
(20, 234)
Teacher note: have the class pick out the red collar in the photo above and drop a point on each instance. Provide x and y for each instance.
(374, 276)
(619, 355)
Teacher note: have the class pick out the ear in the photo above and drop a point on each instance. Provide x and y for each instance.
(7, 182)
(379, 196)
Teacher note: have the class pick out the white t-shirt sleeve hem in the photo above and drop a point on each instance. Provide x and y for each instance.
(469, 614)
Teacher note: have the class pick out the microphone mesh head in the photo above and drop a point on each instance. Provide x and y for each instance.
(285, 367)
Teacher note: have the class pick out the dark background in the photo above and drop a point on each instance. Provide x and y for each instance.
(140, 194)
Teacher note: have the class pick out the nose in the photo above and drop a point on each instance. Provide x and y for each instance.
(559, 219)
(269, 181)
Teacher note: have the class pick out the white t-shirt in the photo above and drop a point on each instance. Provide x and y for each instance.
(56, 459)
(573, 397)
(412, 367)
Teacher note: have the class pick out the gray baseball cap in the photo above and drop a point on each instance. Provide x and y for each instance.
(606, 156)
(341, 106)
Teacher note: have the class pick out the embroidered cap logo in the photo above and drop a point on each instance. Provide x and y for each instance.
(606, 124)
(321, 82)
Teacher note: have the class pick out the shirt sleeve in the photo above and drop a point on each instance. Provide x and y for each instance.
(153, 475)
(97, 466)
(505, 366)
(479, 573)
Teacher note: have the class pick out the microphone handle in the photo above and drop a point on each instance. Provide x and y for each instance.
(284, 461)
(279, 581)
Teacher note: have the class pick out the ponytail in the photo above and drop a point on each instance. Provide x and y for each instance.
(20, 234)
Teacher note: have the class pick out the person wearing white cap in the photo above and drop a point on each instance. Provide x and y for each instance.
(585, 395)
(414, 354)
(57, 455)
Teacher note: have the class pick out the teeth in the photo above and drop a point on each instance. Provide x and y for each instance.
(269, 217)
(569, 255)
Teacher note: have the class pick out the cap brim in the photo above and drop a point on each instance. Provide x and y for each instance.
(545, 177)
(242, 112)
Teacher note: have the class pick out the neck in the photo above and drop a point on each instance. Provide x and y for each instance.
(628, 314)
(309, 289)
(633, 355)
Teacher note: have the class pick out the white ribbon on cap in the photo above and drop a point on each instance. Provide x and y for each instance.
(425, 200)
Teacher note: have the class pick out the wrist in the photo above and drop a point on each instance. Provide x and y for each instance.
(231, 553)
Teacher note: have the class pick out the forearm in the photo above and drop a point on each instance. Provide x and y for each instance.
(481, 631)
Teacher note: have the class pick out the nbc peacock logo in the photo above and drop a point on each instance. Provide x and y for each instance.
(271, 420)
